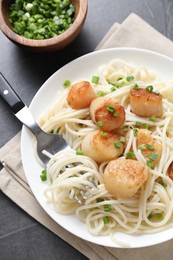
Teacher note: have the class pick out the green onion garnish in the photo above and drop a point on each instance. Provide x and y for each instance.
(149, 88)
(67, 83)
(149, 146)
(95, 79)
(153, 118)
(103, 134)
(130, 155)
(156, 92)
(100, 123)
(100, 199)
(107, 208)
(150, 164)
(43, 175)
(106, 220)
(110, 108)
(153, 156)
(158, 216)
(79, 152)
(113, 89)
(135, 86)
(138, 123)
(142, 147)
(122, 139)
(100, 93)
(117, 145)
(162, 183)
(130, 78)
(115, 113)
(135, 132)
(146, 126)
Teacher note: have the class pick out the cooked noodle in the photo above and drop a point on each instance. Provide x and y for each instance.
(69, 173)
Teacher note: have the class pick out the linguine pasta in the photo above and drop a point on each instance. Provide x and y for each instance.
(150, 210)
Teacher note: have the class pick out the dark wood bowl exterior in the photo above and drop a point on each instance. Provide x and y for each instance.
(47, 45)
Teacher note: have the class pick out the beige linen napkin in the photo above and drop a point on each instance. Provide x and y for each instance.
(133, 32)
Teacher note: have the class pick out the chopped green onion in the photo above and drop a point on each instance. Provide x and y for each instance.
(117, 145)
(115, 113)
(158, 216)
(103, 134)
(95, 79)
(107, 208)
(113, 89)
(79, 152)
(135, 132)
(106, 220)
(150, 164)
(153, 156)
(41, 19)
(130, 78)
(100, 123)
(100, 93)
(142, 147)
(153, 118)
(120, 85)
(138, 123)
(149, 146)
(110, 108)
(130, 155)
(135, 86)
(122, 139)
(67, 83)
(156, 92)
(162, 183)
(149, 88)
(111, 83)
(43, 175)
(146, 126)
(100, 199)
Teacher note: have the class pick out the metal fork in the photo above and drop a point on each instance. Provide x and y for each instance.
(50, 143)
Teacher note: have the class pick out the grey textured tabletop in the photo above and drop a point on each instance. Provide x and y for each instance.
(21, 237)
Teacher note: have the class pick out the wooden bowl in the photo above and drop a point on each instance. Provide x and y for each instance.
(46, 45)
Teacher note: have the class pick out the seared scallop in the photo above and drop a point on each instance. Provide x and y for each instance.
(107, 113)
(102, 146)
(80, 95)
(148, 146)
(124, 177)
(145, 103)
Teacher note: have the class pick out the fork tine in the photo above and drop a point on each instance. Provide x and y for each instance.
(83, 195)
(75, 197)
(93, 182)
(88, 189)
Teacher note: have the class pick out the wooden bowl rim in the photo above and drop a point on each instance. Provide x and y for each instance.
(78, 22)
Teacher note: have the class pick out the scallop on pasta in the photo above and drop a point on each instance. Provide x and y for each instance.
(118, 174)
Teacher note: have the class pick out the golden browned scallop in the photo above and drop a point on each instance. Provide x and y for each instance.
(80, 95)
(145, 103)
(170, 171)
(107, 113)
(102, 146)
(124, 177)
(148, 145)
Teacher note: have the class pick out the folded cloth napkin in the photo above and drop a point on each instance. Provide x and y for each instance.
(133, 32)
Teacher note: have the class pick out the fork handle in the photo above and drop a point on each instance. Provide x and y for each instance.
(17, 106)
(9, 95)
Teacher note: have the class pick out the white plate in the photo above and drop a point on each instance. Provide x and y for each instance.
(84, 68)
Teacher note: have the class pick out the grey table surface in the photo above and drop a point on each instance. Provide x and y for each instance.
(21, 237)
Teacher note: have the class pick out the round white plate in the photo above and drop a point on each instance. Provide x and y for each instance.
(84, 68)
